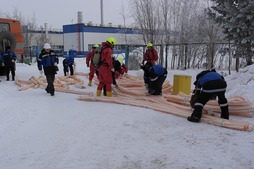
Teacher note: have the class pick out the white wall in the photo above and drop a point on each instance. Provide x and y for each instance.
(71, 39)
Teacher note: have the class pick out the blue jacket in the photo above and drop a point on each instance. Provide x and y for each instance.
(209, 81)
(153, 73)
(69, 60)
(208, 77)
(156, 71)
(47, 61)
(8, 57)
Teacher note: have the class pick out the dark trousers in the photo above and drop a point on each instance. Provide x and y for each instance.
(66, 68)
(50, 87)
(204, 97)
(9, 69)
(157, 84)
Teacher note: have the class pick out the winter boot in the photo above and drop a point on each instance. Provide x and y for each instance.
(224, 112)
(109, 94)
(98, 93)
(90, 83)
(47, 90)
(193, 119)
(13, 78)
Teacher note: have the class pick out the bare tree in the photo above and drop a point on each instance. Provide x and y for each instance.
(123, 15)
(145, 13)
(166, 22)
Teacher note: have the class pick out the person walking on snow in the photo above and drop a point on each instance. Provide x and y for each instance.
(106, 67)
(89, 63)
(207, 85)
(48, 60)
(8, 59)
(150, 55)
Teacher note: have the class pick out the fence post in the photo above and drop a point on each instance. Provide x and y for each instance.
(126, 55)
(161, 55)
(229, 58)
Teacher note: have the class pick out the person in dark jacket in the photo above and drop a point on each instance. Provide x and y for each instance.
(8, 59)
(154, 77)
(120, 68)
(209, 84)
(48, 60)
(68, 62)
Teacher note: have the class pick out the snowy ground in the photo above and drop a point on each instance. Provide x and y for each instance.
(38, 131)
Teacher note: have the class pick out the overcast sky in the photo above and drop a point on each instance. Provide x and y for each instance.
(60, 12)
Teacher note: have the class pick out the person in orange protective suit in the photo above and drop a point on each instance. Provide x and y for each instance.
(89, 63)
(150, 55)
(106, 68)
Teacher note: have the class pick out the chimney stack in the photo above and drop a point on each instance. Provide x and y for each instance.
(80, 17)
(102, 22)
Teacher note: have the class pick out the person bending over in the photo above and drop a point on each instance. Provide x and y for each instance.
(154, 77)
(209, 84)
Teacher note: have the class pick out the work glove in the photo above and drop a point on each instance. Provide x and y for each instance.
(146, 85)
(55, 64)
(41, 72)
(150, 90)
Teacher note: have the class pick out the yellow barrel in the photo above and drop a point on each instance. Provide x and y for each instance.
(182, 83)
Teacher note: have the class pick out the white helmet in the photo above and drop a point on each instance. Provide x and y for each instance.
(47, 46)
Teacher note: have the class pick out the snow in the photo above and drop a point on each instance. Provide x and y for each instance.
(38, 131)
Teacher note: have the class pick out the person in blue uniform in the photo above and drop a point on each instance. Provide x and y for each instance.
(8, 59)
(68, 63)
(48, 60)
(154, 77)
(209, 84)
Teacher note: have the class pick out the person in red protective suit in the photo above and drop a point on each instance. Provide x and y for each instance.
(89, 63)
(120, 68)
(106, 67)
(151, 54)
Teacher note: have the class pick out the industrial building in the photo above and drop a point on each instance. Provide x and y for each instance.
(81, 37)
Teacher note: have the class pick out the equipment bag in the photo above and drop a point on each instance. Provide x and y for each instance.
(97, 56)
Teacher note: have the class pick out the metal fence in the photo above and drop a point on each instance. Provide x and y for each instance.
(187, 55)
